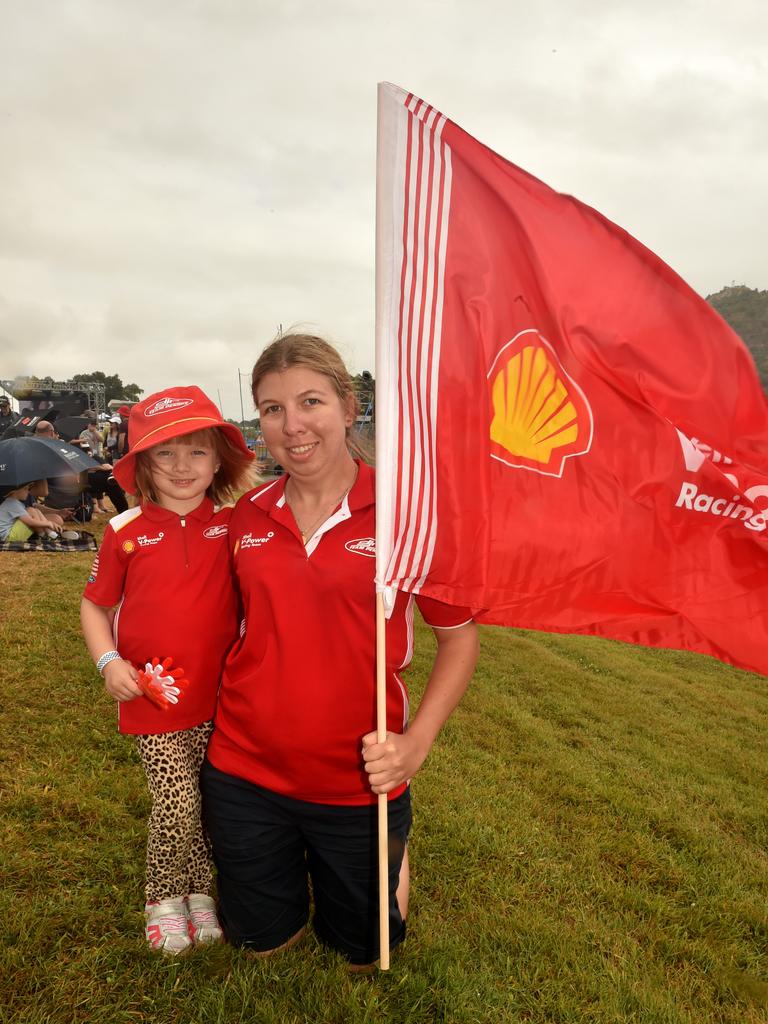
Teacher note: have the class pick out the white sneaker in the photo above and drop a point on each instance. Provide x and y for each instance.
(204, 926)
(167, 927)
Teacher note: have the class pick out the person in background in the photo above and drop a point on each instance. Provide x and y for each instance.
(39, 490)
(6, 416)
(44, 428)
(123, 441)
(18, 522)
(110, 438)
(92, 437)
(98, 481)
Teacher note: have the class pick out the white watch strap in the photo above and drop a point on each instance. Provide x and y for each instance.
(105, 659)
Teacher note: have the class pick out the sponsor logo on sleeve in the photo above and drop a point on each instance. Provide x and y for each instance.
(364, 546)
(250, 540)
(94, 570)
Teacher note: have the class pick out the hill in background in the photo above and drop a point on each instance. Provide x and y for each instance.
(746, 310)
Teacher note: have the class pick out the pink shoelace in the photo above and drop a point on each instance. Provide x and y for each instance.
(172, 923)
(203, 918)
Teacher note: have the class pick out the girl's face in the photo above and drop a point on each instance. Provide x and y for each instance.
(182, 472)
(304, 422)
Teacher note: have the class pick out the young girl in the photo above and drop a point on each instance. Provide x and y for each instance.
(165, 565)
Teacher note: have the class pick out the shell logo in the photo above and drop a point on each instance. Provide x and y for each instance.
(128, 546)
(541, 416)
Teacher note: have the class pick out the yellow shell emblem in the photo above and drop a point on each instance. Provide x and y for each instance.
(540, 416)
(128, 546)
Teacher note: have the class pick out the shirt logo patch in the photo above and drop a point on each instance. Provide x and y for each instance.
(249, 541)
(364, 546)
(146, 542)
(216, 531)
(94, 570)
(167, 405)
(128, 546)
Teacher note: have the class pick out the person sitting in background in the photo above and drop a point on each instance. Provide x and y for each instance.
(99, 481)
(47, 430)
(56, 517)
(17, 522)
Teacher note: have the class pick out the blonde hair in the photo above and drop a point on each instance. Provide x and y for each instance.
(235, 472)
(316, 354)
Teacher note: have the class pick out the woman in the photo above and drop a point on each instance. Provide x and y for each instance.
(294, 766)
(110, 438)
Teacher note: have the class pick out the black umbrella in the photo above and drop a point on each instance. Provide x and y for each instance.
(70, 427)
(24, 459)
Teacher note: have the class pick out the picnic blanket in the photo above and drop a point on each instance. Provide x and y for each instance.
(85, 542)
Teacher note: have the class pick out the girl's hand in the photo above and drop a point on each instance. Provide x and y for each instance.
(120, 680)
(393, 762)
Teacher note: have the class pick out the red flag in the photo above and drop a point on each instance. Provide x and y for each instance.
(569, 439)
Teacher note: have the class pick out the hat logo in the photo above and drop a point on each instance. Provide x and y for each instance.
(167, 405)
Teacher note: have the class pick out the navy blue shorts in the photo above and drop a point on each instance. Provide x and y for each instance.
(266, 847)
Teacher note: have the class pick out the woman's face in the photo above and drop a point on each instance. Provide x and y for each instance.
(304, 422)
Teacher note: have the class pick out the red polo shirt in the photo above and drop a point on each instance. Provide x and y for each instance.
(171, 577)
(299, 689)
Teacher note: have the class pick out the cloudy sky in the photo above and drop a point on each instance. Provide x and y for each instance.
(180, 177)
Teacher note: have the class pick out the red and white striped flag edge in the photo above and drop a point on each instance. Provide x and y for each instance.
(568, 438)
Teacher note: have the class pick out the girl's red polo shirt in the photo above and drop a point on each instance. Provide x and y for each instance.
(171, 577)
(299, 689)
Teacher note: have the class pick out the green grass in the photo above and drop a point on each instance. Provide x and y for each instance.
(590, 845)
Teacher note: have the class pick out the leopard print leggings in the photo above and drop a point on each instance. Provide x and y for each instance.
(178, 852)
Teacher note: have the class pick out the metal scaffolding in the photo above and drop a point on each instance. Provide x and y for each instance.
(26, 389)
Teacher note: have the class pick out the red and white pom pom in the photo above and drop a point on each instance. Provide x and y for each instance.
(161, 684)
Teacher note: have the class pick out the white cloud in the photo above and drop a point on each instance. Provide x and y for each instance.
(179, 178)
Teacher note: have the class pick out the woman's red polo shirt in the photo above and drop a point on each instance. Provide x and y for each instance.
(299, 689)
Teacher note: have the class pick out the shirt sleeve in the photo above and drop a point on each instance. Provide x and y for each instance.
(106, 580)
(442, 616)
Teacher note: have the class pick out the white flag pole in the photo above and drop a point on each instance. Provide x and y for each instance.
(381, 728)
(386, 467)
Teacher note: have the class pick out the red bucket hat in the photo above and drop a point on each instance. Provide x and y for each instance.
(167, 414)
